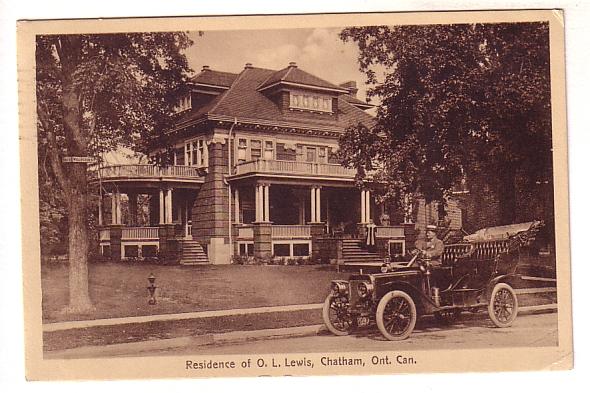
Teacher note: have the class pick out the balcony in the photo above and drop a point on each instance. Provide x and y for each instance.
(297, 168)
(140, 172)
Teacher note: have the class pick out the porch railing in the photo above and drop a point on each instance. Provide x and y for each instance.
(390, 232)
(139, 233)
(290, 231)
(104, 234)
(294, 167)
(245, 232)
(145, 170)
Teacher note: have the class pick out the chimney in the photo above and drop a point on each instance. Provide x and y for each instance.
(292, 65)
(248, 65)
(205, 68)
(351, 87)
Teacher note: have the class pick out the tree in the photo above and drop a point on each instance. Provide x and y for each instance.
(455, 99)
(96, 92)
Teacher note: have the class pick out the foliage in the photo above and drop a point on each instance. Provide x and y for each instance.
(456, 100)
(95, 93)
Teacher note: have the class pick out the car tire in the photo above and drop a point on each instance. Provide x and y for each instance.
(335, 304)
(503, 305)
(404, 311)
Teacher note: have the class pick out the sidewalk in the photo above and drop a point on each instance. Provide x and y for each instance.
(235, 337)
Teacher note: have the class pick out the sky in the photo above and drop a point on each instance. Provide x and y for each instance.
(317, 51)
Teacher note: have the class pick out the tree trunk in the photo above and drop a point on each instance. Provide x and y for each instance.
(79, 301)
(507, 194)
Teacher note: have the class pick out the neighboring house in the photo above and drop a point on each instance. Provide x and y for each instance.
(250, 169)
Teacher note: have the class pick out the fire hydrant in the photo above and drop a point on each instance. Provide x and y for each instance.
(152, 289)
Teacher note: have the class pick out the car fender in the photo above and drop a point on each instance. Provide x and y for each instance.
(419, 298)
(505, 278)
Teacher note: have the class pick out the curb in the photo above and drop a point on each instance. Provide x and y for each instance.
(57, 326)
(179, 342)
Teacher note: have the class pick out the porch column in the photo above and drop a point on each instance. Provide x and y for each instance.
(363, 201)
(266, 203)
(258, 201)
(168, 203)
(132, 208)
(313, 210)
(161, 206)
(368, 206)
(116, 208)
(318, 205)
(100, 210)
(237, 205)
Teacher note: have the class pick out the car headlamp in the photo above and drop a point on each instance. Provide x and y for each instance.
(339, 288)
(364, 289)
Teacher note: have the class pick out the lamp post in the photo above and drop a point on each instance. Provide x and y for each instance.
(152, 289)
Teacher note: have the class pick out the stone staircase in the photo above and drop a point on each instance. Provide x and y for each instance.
(353, 253)
(192, 253)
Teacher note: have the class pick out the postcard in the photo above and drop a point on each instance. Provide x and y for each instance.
(355, 194)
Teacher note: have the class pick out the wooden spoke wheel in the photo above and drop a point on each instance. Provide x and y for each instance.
(336, 315)
(503, 306)
(396, 315)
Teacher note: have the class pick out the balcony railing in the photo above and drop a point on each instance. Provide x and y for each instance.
(390, 232)
(291, 231)
(145, 171)
(140, 233)
(294, 167)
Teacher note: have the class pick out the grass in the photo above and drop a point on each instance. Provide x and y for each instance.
(120, 290)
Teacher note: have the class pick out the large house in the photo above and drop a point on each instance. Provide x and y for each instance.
(250, 169)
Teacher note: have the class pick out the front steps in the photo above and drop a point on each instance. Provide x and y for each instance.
(353, 253)
(192, 253)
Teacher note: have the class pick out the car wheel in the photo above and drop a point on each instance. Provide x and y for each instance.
(336, 315)
(503, 305)
(396, 315)
(447, 317)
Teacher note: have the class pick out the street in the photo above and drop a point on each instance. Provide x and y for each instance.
(472, 331)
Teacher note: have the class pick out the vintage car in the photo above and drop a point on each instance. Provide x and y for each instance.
(473, 276)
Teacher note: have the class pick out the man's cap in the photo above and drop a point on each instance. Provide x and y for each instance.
(431, 227)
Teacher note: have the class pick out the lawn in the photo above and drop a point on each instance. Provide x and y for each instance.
(119, 290)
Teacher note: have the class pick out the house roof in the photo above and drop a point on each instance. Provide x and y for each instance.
(356, 102)
(293, 75)
(214, 78)
(243, 101)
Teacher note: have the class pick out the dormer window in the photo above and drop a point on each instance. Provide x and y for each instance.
(310, 102)
(184, 103)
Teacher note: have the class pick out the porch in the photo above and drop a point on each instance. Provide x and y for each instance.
(145, 211)
(282, 218)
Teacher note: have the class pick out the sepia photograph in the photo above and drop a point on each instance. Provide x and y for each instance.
(295, 195)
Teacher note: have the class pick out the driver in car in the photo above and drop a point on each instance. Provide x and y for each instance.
(433, 247)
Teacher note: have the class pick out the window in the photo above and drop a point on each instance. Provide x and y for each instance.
(310, 102)
(195, 153)
(310, 154)
(268, 150)
(184, 103)
(322, 154)
(149, 251)
(131, 251)
(255, 149)
(242, 149)
(201, 153)
(396, 249)
(246, 249)
(282, 250)
(301, 250)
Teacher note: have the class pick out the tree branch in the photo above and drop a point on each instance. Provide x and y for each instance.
(53, 150)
